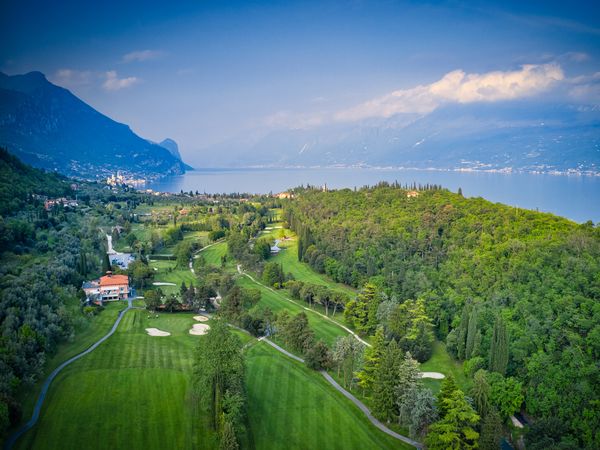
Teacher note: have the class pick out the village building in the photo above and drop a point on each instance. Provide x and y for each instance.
(285, 195)
(52, 202)
(412, 194)
(107, 288)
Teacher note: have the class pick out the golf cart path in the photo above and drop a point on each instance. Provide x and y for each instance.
(348, 330)
(10, 442)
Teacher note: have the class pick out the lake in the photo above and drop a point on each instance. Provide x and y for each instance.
(576, 197)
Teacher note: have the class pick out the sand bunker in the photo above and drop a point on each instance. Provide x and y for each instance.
(201, 318)
(198, 329)
(163, 283)
(434, 375)
(157, 332)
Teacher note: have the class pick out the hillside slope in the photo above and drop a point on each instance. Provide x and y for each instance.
(48, 127)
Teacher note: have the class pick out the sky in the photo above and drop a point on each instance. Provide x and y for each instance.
(203, 72)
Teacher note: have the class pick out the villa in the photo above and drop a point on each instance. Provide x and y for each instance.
(107, 288)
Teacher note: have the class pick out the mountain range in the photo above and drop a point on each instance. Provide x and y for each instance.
(48, 127)
(524, 135)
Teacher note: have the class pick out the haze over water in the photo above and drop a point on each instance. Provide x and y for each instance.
(572, 196)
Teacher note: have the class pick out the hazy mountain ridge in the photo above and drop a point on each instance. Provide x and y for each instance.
(513, 135)
(48, 127)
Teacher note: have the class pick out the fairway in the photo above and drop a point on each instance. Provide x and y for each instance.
(212, 255)
(324, 329)
(293, 407)
(288, 258)
(132, 392)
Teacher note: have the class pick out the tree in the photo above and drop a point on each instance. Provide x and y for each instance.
(106, 263)
(273, 274)
(456, 429)
(409, 377)
(318, 357)
(347, 356)
(153, 299)
(480, 392)
(418, 411)
(491, 431)
(499, 348)
(362, 312)
(219, 369)
(262, 248)
(448, 388)
(228, 439)
(506, 394)
(172, 303)
(384, 398)
(372, 359)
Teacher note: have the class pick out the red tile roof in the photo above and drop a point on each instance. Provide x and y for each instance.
(112, 280)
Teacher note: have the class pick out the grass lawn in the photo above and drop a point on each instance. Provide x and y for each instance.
(212, 255)
(97, 327)
(132, 392)
(288, 258)
(442, 362)
(324, 330)
(293, 407)
(167, 272)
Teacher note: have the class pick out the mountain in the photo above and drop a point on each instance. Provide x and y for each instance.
(49, 127)
(527, 136)
(173, 148)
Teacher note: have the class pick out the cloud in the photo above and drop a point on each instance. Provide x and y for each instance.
(459, 87)
(142, 55)
(114, 83)
(70, 78)
(577, 56)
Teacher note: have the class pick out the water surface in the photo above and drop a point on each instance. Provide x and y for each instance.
(573, 196)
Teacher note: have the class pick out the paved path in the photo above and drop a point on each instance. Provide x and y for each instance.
(345, 328)
(350, 397)
(10, 442)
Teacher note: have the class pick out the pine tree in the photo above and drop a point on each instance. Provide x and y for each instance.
(384, 397)
(372, 360)
(499, 348)
(449, 386)
(491, 431)
(456, 429)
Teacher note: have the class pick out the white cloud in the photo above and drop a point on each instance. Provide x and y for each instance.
(577, 56)
(459, 87)
(70, 78)
(114, 83)
(142, 55)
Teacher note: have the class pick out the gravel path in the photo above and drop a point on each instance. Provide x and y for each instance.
(10, 442)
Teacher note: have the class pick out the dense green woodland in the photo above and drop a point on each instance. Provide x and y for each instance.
(512, 291)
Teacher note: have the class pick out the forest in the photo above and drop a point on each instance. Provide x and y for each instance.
(513, 293)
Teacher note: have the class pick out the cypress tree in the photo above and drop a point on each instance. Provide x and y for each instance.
(105, 263)
(461, 335)
(499, 348)
(384, 405)
(471, 333)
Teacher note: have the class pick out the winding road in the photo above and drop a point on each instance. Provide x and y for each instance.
(10, 442)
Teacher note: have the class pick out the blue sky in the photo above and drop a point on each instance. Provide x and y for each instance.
(203, 72)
